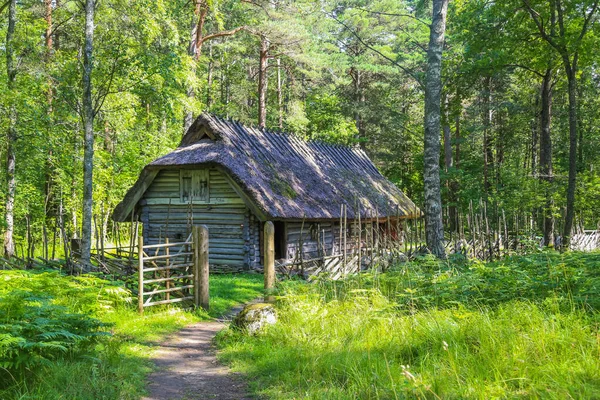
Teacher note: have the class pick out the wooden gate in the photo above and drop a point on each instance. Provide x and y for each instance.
(174, 272)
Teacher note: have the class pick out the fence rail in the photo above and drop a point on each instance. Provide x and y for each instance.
(386, 242)
(174, 272)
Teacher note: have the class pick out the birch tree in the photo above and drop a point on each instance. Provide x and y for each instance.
(88, 140)
(434, 228)
(11, 134)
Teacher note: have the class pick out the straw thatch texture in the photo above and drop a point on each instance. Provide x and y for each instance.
(282, 175)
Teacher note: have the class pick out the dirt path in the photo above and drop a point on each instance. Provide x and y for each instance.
(188, 368)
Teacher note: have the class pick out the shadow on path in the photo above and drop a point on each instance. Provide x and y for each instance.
(187, 368)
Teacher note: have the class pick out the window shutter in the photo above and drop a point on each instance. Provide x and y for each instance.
(194, 185)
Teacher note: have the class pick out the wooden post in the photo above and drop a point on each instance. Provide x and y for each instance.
(345, 232)
(141, 275)
(167, 271)
(201, 271)
(269, 259)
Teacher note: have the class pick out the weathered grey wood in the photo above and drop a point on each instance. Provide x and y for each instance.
(269, 259)
(196, 260)
(201, 267)
(171, 278)
(168, 290)
(171, 266)
(168, 270)
(178, 300)
(224, 214)
(141, 274)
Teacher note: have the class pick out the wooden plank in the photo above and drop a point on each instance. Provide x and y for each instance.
(156, 246)
(167, 256)
(177, 300)
(172, 266)
(171, 278)
(173, 289)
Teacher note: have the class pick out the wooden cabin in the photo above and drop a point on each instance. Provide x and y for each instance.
(232, 178)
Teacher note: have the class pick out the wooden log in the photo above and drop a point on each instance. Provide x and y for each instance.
(269, 259)
(141, 275)
(201, 268)
(167, 272)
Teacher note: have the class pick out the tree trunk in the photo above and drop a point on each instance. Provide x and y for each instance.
(11, 134)
(263, 81)
(454, 185)
(546, 155)
(448, 164)
(488, 156)
(279, 94)
(572, 85)
(194, 50)
(434, 229)
(49, 167)
(88, 139)
(534, 140)
(209, 78)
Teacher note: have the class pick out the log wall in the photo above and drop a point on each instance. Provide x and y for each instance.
(316, 239)
(232, 232)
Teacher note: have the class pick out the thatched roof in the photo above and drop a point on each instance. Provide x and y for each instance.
(283, 176)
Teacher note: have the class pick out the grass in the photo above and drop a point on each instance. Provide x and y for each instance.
(114, 366)
(525, 327)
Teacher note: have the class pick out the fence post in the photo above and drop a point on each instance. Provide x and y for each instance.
(269, 259)
(201, 270)
(167, 271)
(140, 274)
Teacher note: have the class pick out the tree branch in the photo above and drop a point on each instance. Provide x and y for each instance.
(586, 22)
(525, 68)
(224, 33)
(3, 6)
(535, 16)
(395, 15)
(394, 62)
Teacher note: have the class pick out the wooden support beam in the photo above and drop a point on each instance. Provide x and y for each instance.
(141, 274)
(269, 259)
(201, 269)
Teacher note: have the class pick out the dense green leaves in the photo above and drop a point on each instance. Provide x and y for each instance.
(339, 71)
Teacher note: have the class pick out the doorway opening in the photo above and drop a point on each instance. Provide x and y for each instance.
(280, 240)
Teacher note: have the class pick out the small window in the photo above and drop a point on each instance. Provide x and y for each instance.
(193, 186)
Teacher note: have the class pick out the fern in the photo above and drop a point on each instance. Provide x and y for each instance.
(46, 317)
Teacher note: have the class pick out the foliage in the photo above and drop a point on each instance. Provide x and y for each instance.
(81, 337)
(423, 332)
(39, 323)
(347, 72)
(573, 279)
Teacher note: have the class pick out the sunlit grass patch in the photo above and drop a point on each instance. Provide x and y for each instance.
(112, 367)
(414, 334)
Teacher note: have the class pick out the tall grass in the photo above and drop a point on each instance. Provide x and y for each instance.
(115, 363)
(433, 330)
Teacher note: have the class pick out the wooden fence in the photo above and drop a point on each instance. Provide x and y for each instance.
(174, 272)
(393, 240)
(586, 240)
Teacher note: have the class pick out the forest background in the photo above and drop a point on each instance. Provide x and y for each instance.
(347, 72)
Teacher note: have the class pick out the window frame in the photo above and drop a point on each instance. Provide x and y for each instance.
(196, 177)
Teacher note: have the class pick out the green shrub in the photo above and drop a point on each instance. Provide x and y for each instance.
(574, 278)
(34, 332)
(46, 317)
